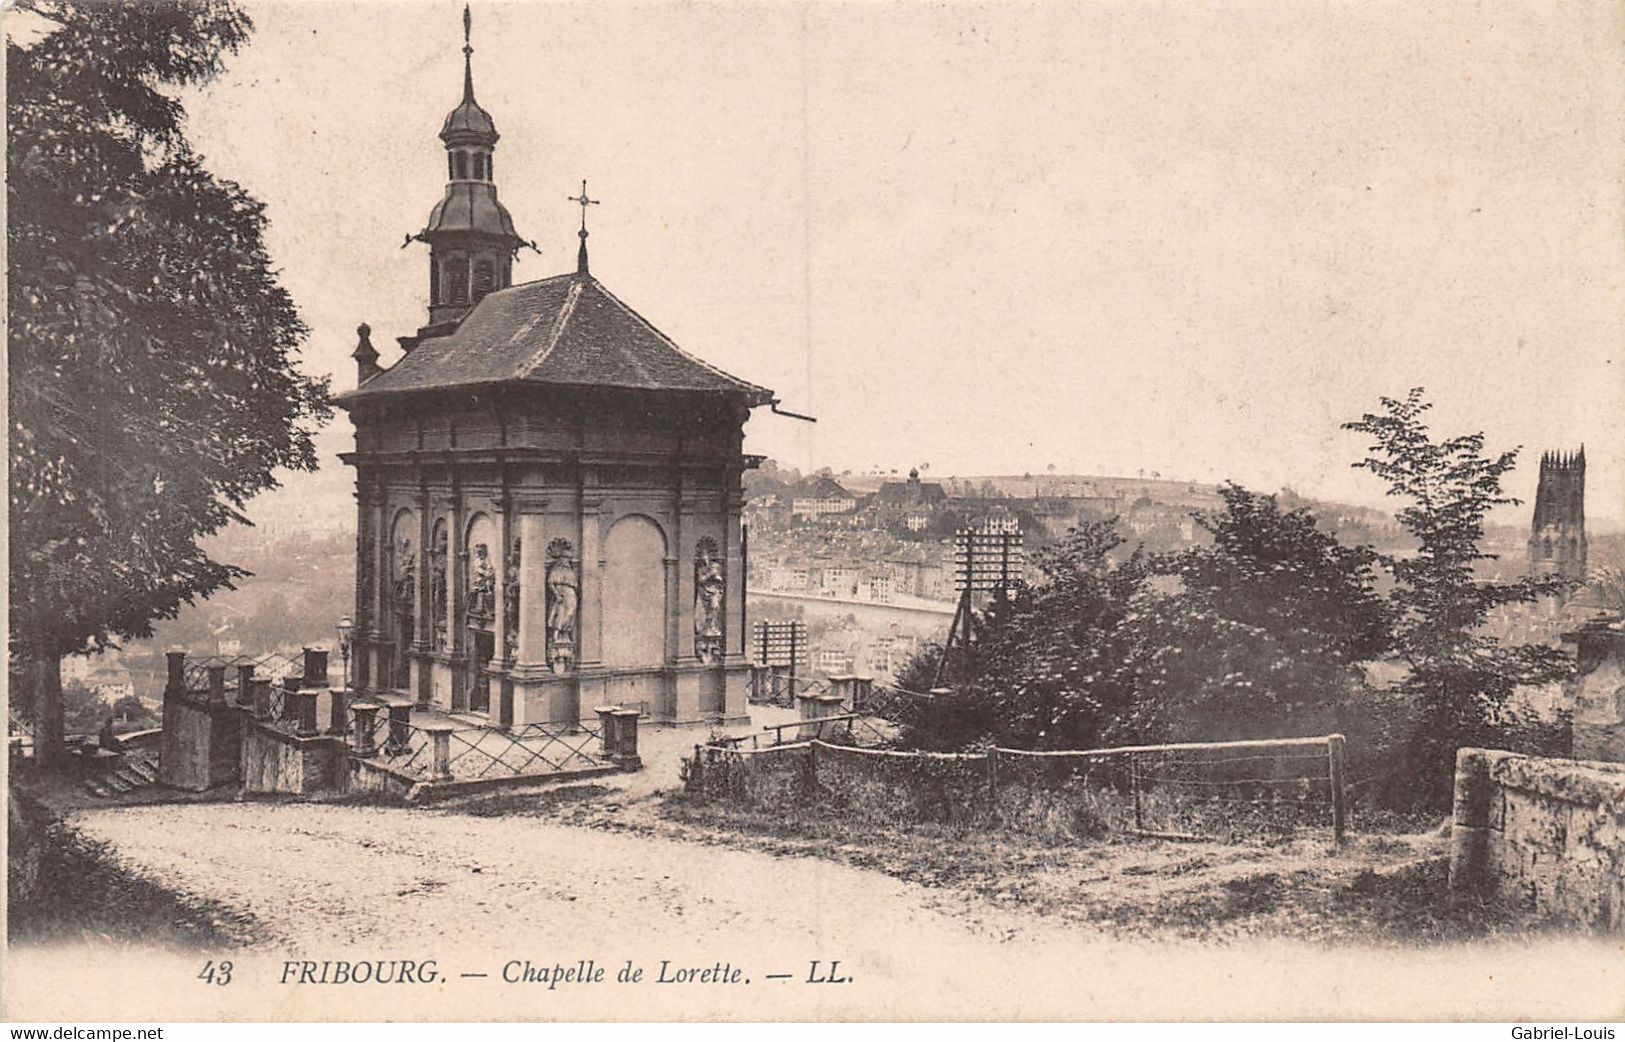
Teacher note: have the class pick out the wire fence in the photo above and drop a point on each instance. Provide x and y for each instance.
(1223, 790)
(769, 687)
(473, 752)
(889, 702)
(275, 666)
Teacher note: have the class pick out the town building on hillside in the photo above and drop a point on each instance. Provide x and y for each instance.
(819, 497)
(840, 580)
(1557, 533)
(549, 489)
(911, 497)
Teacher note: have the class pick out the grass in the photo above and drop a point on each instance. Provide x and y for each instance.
(1380, 888)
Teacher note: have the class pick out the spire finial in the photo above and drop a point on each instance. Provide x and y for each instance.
(468, 55)
(585, 201)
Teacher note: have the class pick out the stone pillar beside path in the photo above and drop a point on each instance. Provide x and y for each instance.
(1470, 822)
(440, 759)
(618, 736)
(816, 707)
(365, 744)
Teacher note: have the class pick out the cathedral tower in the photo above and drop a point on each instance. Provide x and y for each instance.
(1557, 536)
(471, 237)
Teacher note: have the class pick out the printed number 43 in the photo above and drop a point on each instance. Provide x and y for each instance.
(217, 973)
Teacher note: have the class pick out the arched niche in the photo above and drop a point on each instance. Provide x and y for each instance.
(439, 564)
(401, 564)
(634, 593)
(484, 571)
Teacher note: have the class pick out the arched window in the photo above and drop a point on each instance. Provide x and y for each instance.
(456, 281)
(451, 166)
(462, 166)
(484, 276)
(489, 159)
(434, 283)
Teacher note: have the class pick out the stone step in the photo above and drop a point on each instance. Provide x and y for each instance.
(144, 769)
(118, 784)
(132, 779)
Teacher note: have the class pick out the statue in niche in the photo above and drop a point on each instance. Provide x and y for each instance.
(405, 575)
(482, 585)
(510, 603)
(710, 584)
(437, 589)
(562, 599)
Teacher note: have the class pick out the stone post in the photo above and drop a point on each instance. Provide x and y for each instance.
(440, 736)
(217, 685)
(1336, 758)
(853, 689)
(863, 690)
(304, 711)
(1470, 821)
(289, 705)
(619, 736)
(315, 668)
(177, 672)
(338, 710)
(260, 691)
(366, 722)
(245, 686)
(814, 708)
(400, 728)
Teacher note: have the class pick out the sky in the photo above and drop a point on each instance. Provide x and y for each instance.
(1108, 236)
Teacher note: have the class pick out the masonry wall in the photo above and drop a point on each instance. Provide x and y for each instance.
(1546, 835)
(201, 744)
(273, 761)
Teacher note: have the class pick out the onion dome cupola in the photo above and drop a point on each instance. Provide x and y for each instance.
(471, 237)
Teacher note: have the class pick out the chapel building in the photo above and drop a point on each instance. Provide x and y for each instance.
(548, 488)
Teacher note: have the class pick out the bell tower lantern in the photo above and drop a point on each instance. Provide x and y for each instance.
(471, 236)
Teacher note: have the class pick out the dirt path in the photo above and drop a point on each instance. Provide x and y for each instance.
(329, 882)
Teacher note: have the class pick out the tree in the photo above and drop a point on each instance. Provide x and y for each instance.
(1267, 632)
(1053, 667)
(1460, 681)
(152, 384)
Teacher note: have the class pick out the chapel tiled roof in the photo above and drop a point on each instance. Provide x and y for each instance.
(566, 330)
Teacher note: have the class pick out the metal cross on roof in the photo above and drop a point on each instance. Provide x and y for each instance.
(585, 201)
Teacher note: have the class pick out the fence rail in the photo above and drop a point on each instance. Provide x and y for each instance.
(773, 688)
(472, 752)
(274, 666)
(1188, 790)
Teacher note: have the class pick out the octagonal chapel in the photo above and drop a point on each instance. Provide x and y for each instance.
(548, 488)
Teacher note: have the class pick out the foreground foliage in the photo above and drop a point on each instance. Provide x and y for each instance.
(1272, 629)
(1460, 681)
(152, 384)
